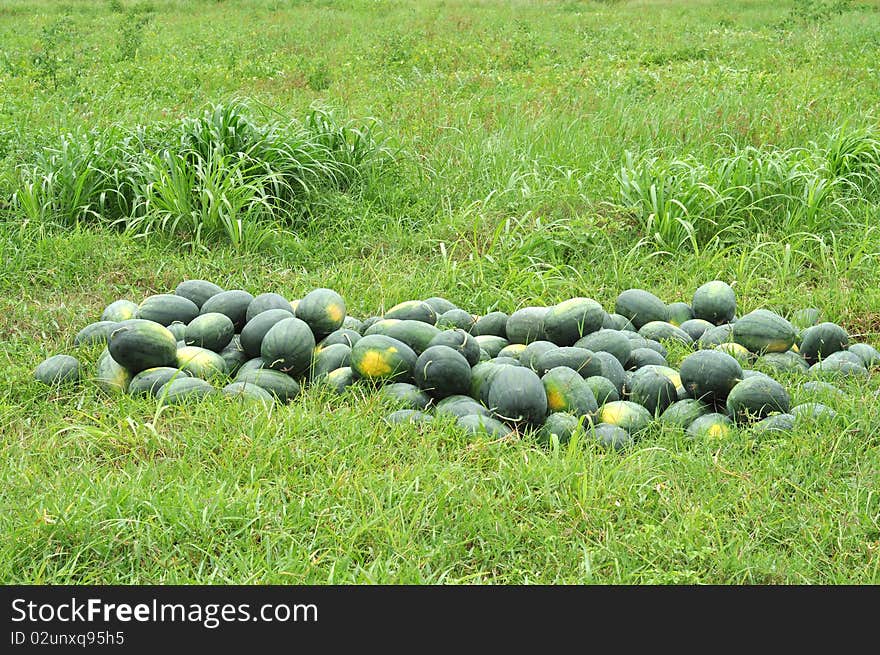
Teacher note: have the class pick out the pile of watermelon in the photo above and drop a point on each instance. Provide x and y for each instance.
(543, 371)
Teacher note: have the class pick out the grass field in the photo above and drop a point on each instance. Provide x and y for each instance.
(515, 147)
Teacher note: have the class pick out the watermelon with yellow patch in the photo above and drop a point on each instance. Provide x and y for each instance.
(712, 425)
(200, 362)
(762, 331)
(381, 358)
(413, 310)
(571, 319)
(568, 392)
(323, 310)
(111, 376)
(739, 352)
(624, 414)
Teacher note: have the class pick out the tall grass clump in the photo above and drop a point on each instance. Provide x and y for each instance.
(217, 175)
(693, 204)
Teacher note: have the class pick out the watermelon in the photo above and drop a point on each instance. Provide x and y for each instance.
(323, 310)
(560, 425)
(181, 390)
(416, 334)
(762, 331)
(460, 406)
(481, 377)
(282, 386)
(492, 324)
(378, 357)
(624, 414)
(570, 320)
(439, 305)
(413, 310)
(709, 375)
(491, 344)
(819, 341)
(533, 352)
(212, 331)
(844, 356)
(640, 307)
(197, 291)
(255, 330)
(710, 425)
(288, 346)
(353, 324)
(254, 364)
(869, 355)
(678, 313)
(738, 352)
(618, 322)
(526, 325)
(408, 394)
(756, 398)
(110, 375)
(609, 341)
(651, 389)
(460, 341)
(265, 302)
(178, 329)
(787, 362)
(200, 362)
(329, 359)
(603, 389)
(233, 304)
(344, 336)
(234, 356)
(516, 395)
(408, 417)
(166, 308)
(95, 333)
(813, 411)
(120, 310)
(247, 391)
(456, 318)
(775, 423)
(442, 371)
(478, 424)
(507, 361)
(515, 350)
(340, 379)
(839, 368)
(716, 336)
(696, 328)
(138, 344)
(579, 360)
(58, 370)
(610, 368)
(644, 357)
(814, 387)
(663, 331)
(567, 391)
(684, 412)
(714, 302)
(369, 322)
(612, 437)
(150, 381)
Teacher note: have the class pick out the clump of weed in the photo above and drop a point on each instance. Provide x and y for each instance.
(689, 203)
(133, 25)
(54, 56)
(221, 174)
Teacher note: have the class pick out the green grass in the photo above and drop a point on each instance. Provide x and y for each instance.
(510, 125)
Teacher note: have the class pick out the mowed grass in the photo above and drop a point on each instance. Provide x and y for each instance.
(514, 120)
